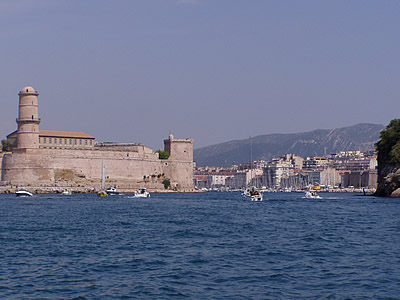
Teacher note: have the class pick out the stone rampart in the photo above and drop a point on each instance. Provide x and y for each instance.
(1, 163)
(44, 167)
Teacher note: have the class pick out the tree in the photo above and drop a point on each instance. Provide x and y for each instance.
(395, 154)
(388, 146)
(6, 146)
(166, 183)
(162, 154)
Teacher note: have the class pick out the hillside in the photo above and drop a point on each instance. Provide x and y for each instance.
(313, 143)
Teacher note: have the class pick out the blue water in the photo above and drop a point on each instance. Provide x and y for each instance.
(199, 246)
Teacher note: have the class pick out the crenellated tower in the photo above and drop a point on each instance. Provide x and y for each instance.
(28, 119)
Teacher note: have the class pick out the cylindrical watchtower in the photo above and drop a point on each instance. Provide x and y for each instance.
(28, 119)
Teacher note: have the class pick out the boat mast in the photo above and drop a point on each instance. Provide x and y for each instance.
(251, 161)
(103, 175)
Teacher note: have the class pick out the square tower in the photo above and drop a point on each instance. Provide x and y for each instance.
(179, 149)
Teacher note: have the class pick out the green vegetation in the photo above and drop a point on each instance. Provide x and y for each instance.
(162, 154)
(6, 146)
(388, 146)
(166, 183)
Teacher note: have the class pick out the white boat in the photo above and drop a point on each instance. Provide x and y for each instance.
(253, 194)
(112, 191)
(66, 193)
(141, 193)
(312, 195)
(23, 193)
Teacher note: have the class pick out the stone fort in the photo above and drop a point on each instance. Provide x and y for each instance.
(42, 159)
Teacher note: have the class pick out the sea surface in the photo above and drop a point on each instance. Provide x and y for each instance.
(199, 246)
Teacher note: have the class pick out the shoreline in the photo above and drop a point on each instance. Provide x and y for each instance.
(79, 190)
(12, 189)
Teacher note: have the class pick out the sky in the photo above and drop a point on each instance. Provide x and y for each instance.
(212, 70)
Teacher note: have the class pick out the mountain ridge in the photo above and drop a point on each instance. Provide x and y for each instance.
(317, 142)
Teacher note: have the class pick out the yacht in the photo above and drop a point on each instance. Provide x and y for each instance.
(22, 193)
(312, 195)
(141, 193)
(253, 194)
(112, 191)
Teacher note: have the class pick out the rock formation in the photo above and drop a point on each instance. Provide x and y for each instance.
(388, 148)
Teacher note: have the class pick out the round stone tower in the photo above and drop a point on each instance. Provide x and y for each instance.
(28, 119)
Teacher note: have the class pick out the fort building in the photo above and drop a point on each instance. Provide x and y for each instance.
(58, 140)
(42, 158)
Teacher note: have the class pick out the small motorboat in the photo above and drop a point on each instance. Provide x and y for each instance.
(253, 194)
(141, 193)
(22, 193)
(312, 195)
(112, 191)
(66, 193)
(102, 194)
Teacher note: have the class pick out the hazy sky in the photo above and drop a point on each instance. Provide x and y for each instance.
(212, 70)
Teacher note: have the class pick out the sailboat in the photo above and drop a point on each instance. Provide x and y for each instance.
(252, 193)
(102, 192)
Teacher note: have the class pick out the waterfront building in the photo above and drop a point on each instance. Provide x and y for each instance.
(313, 163)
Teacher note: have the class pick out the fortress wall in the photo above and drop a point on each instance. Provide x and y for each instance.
(1, 164)
(140, 149)
(48, 166)
(179, 172)
(98, 153)
(117, 167)
(40, 165)
(23, 168)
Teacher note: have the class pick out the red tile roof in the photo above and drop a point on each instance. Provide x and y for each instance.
(64, 134)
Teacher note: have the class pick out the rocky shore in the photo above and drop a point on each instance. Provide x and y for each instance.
(389, 182)
(388, 149)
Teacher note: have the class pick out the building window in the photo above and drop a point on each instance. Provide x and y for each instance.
(80, 142)
(85, 142)
(65, 141)
(49, 140)
(75, 141)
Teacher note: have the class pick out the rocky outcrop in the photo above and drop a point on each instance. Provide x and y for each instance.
(388, 182)
(388, 148)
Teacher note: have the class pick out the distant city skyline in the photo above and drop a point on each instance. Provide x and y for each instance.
(214, 71)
